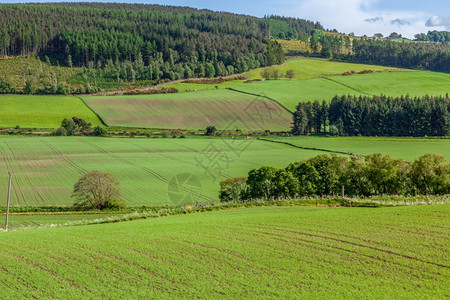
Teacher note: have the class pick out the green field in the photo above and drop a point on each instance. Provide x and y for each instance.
(29, 111)
(290, 93)
(406, 148)
(305, 68)
(415, 83)
(20, 221)
(320, 79)
(194, 108)
(308, 68)
(164, 171)
(271, 252)
(222, 108)
(46, 168)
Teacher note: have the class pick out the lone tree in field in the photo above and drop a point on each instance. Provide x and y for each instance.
(290, 74)
(97, 190)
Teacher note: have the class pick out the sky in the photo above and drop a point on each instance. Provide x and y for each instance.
(406, 17)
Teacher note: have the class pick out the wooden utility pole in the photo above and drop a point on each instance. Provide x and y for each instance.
(7, 202)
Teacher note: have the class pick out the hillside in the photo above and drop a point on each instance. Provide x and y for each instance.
(271, 252)
(120, 46)
(151, 171)
(161, 39)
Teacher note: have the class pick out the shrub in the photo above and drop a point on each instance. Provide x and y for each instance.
(233, 189)
(211, 130)
(61, 131)
(99, 131)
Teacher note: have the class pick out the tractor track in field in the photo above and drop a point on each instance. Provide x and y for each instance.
(194, 151)
(150, 171)
(15, 181)
(64, 158)
(37, 195)
(333, 249)
(345, 85)
(389, 252)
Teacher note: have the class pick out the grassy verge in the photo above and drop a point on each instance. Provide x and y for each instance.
(147, 212)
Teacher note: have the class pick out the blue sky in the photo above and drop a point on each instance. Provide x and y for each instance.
(359, 16)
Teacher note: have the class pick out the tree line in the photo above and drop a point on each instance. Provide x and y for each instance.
(374, 116)
(329, 175)
(434, 36)
(404, 54)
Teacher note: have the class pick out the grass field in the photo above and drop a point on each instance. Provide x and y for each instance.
(271, 252)
(320, 79)
(34, 220)
(406, 148)
(226, 109)
(151, 171)
(308, 68)
(163, 171)
(415, 83)
(29, 111)
(290, 93)
(305, 68)
(222, 108)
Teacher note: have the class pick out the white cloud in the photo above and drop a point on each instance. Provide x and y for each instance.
(360, 17)
(437, 21)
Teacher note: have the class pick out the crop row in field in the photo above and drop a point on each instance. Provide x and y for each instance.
(151, 171)
(222, 108)
(163, 171)
(272, 252)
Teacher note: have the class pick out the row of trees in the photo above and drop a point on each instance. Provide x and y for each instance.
(276, 74)
(78, 126)
(434, 36)
(326, 175)
(375, 116)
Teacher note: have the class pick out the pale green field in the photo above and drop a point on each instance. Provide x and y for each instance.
(290, 93)
(195, 110)
(406, 148)
(164, 171)
(46, 168)
(305, 68)
(308, 68)
(414, 83)
(29, 111)
(270, 252)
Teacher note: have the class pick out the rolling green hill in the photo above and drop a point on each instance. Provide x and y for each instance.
(271, 252)
(194, 108)
(289, 93)
(163, 171)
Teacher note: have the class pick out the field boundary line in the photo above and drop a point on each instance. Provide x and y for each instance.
(305, 148)
(262, 96)
(90, 108)
(346, 85)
